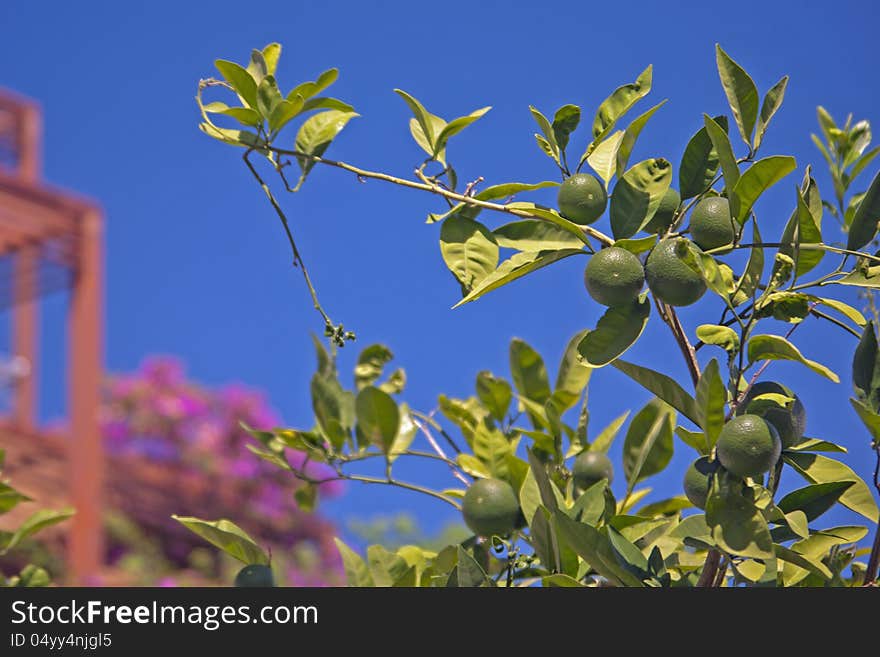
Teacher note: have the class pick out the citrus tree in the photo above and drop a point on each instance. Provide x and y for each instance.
(531, 482)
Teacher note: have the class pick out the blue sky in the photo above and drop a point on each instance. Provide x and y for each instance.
(197, 264)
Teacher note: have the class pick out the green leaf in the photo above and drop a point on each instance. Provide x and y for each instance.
(9, 497)
(631, 134)
(406, 433)
(284, 112)
(695, 439)
(629, 556)
(820, 542)
(517, 266)
(711, 399)
(863, 162)
(772, 103)
(473, 466)
(257, 66)
(774, 347)
(538, 475)
(664, 387)
(34, 523)
(637, 195)
(356, 571)
(370, 364)
(560, 581)
(242, 138)
(647, 448)
(864, 364)
(426, 121)
(316, 134)
(534, 235)
(244, 115)
(240, 80)
(616, 331)
(758, 178)
(801, 561)
(469, 250)
(528, 372)
(454, 127)
(271, 53)
(549, 144)
(814, 500)
(469, 572)
(844, 309)
(492, 448)
(595, 548)
(306, 496)
(495, 393)
(738, 527)
(378, 418)
(603, 159)
(699, 163)
(864, 225)
(552, 216)
(325, 102)
(32, 576)
(720, 336)
(385, 567)
(802, 228)
(572, 377)
(619, 103)
(816, 445)
(819, 469)
(565, 121)
(869, 418)
(608, 434)
(328, 400)
(741, 92)
(666, 507)
(227, 536)
(268, 96)
(750, 280)
(637, 245)
(726, 158)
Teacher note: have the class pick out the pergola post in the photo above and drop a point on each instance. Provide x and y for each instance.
(25, 335)
(86, 453)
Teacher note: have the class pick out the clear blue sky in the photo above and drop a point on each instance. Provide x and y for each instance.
(197, 264)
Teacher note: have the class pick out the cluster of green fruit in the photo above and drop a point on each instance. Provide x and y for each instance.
(614, 276)
(750, 444)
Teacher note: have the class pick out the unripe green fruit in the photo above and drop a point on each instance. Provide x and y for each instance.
(255, 576)
(662, 219)
(711, 224)
(669, 277)
(789, 422)
(697, 479)
(614, 277)
(490, 508)
(748, 446)
(590, 468)
(582, 198)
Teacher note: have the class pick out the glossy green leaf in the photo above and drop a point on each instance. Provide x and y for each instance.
(549, 139)
(771, 104)
(534, 235)
(454, 127)
(616, 331)
(271, 53)
(552, 216)
(637, 245)
(711, 397)
(821, 541)
(406, 433)
(328, 400)
(750, 280)
(565, 121)
(9, 497)
(572, 376)
(603, 159)
(774, 347)
(629, 556)
(737, 525)
(528, 371)
(742, 94)
(664, 387)
(637, 195)
(814, 500)
(721, 336)
(268, 96)
(816, 445)
(695, 439)
(495, 393)
(647, 447)
(240, 80)
(699, 163)
(797, 559)
(492, 448)
(864, 224)
(242, 138)
(869, 418)
(666, 507)
(538, 475)
(631, 134)
(608, 434)
(818, 469)
(316, 134)
(325, 102)
(244, 115)
(594, 548)
(283, 112)
(619, 103)
(469, 573)
(356, 571)
(864, 364)
(370, 364)
(227, 536)
(378, 418)
(425, 120)
(758, 178)
(517, 266)
(726, 158)
(469, 250)
(385, 567)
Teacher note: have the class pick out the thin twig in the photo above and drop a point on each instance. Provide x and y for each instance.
(452, 466)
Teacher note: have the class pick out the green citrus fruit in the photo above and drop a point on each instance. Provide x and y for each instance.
(662, 219)
(614, 277)
(790, 422)
(669, 277)
(582, 198)
(591, 467)
(697, 479)
(748, 446)
(711, 223)
(490, 508)
(255, 576)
